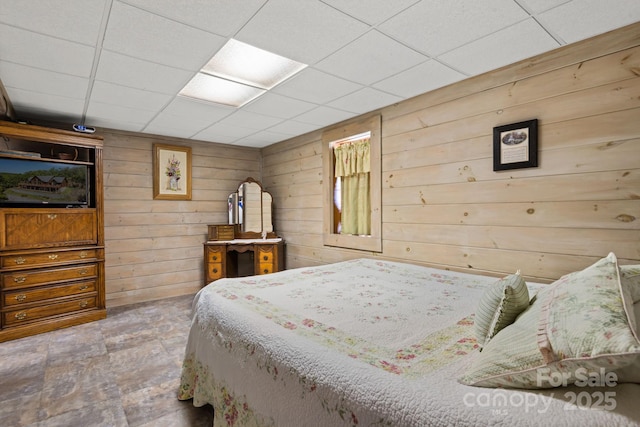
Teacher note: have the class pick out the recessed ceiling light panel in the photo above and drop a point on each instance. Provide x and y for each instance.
(248, 64)
(214, 89)
(239, 73)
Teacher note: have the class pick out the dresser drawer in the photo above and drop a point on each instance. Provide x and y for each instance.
(265, 256)
(214, 272)
(16, 317)
(15, 298)
(46, 228)
(265, 259)
(38, 259)
(27, 278)
(265, 268)
(214, 255)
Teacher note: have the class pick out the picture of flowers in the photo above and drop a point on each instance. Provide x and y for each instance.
(171, 172)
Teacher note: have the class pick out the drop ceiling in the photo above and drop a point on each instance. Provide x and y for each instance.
(120, 64)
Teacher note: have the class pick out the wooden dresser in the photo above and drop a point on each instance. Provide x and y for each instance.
(51, 258)
(225, 258)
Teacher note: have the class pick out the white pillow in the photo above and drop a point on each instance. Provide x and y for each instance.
(499, 306)
(584, 320)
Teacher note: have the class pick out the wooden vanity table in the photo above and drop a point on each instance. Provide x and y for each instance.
(242, 257)
(247, 245)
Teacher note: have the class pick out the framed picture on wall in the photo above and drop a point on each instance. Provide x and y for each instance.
(515, 146)
(171, 172)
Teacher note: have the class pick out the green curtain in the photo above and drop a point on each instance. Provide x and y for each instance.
(353, 167)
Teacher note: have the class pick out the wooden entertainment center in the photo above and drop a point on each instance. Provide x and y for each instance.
(52, 251)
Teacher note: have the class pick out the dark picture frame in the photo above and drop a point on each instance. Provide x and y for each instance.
(515, 146)
(171, 172)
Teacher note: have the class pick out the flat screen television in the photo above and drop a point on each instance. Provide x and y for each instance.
(41, 183)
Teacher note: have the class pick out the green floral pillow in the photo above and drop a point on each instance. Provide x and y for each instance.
(581, 323)
(499, 306)
(630, 278)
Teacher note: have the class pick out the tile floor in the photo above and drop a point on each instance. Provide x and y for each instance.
(120, 371)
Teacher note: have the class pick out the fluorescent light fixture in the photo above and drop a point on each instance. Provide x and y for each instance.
(239, 73)
(247, 64)
(221, 91)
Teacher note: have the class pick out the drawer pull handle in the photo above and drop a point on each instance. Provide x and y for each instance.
(215, 270)
(83, 287)
(21, 316)
(21, 297)
(265, 271)
(84, 254)
(20, 260)
(83, 304)
(266, 258)
(19, 279)
(83, 271)
(52, 216)
(53, 257)
(215, 258)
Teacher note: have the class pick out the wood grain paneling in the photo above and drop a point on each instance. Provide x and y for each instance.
(444, 206)
(154, 247)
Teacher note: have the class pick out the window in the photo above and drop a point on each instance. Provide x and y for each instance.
(352, 185)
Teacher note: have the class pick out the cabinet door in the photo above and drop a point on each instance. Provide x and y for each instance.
(24, 228)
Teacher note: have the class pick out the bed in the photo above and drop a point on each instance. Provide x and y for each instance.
(376, 343)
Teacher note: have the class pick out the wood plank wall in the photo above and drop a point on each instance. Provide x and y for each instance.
(154, 247)
(444, 206)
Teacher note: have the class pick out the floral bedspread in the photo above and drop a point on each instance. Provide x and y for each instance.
(360, 342)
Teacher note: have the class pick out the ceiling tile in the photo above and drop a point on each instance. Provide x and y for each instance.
(315, 86)
(250, 120)
(118, 113)
(187, 127)
(109, 93)
(323, 116)
(370, 58)
(222, 17)
(364, 100)
(510, 45)
(165, 124)
(48, 105)
(37, 80)
(370, 11)
(293, 128)
(274, 105)
(537, 6)
(48, 53)
(305, 31)
(262, 139)
(589, 17)
(118, 124)
(188, 108)
(420, 79)
(214, 136)
(143, 35)
(73, 20)
(168, 128)
(434, 26)
(189, 116)
(228, 130)
(128, 71)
